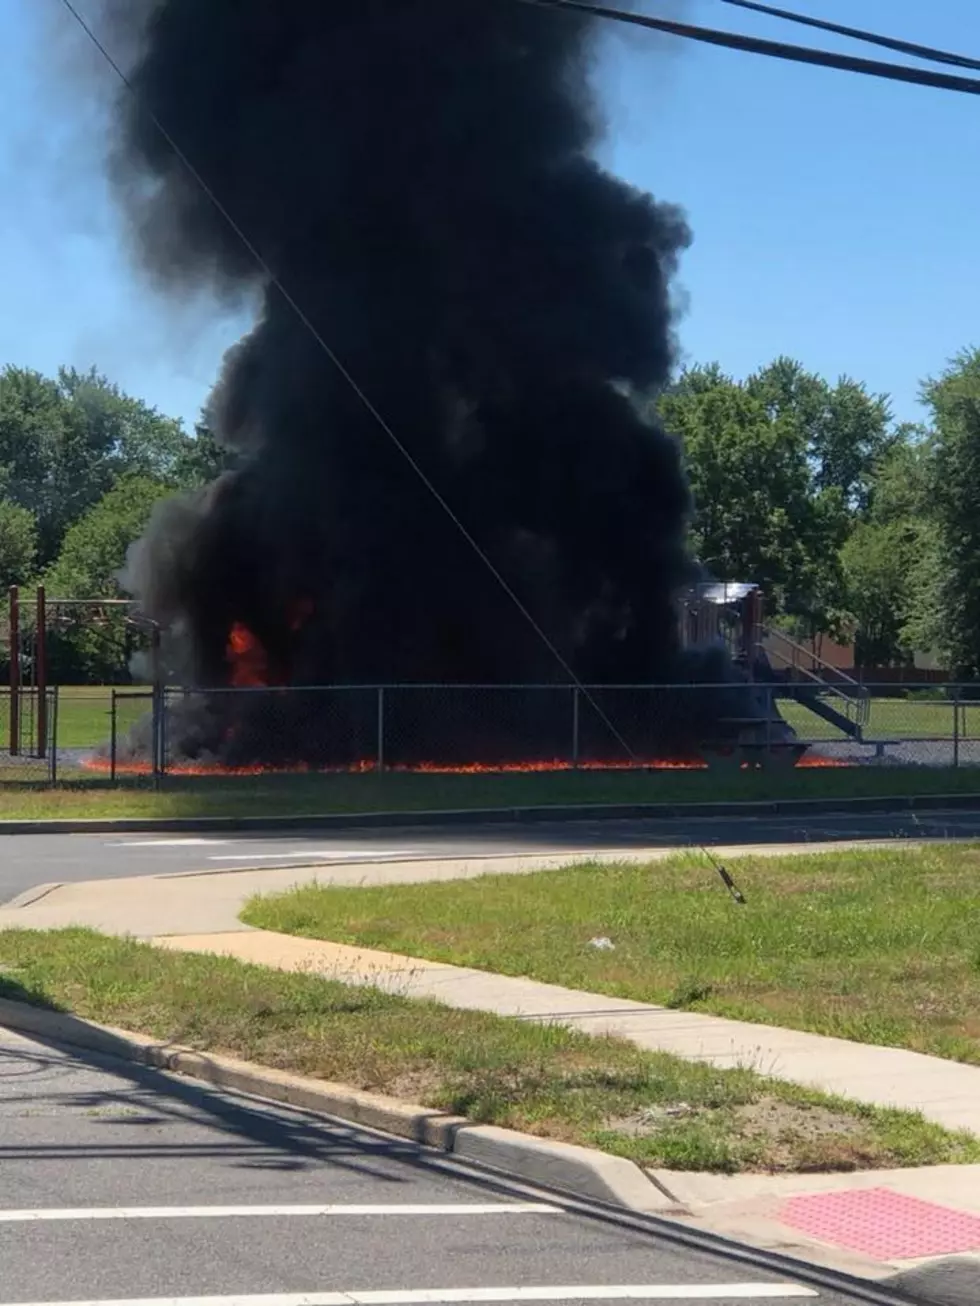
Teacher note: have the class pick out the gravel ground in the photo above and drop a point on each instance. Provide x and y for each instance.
(912, 752)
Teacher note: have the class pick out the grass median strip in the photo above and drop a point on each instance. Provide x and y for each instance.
(880, 947)
(656, 1109)
(89, 796)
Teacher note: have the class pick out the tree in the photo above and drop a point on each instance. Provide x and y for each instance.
(88, 566)
(846, 430)
(18, 545)
(954, 399)
(31, 438)
(64, 442)
(202, 459)
(891, 555)
(94, 549)
(760, 512)
(889, 559)
(126, 434)
(877, 562)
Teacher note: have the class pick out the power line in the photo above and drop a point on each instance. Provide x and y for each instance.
(870, 38)
(773, 49)
(358, 390)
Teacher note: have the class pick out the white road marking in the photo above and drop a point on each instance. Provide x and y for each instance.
(598, 1292)
(172, 843)
(463, 1296)
(313, 852)
(243, 1212)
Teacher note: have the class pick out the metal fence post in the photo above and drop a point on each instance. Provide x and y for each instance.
(53, 727)
(956, 725)
(157, 724)
(157, 735)
(381, 728)
(41, 670)
(575, 726)
(770, 705)
(113, 726)
(14, 620)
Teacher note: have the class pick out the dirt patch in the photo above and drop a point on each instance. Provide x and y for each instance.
(418, 1086)
(780, 1136)
(798, 1137)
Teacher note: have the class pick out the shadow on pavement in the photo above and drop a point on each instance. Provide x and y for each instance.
(251, 1133)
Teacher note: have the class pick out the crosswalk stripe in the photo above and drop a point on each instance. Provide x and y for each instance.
(336, 854)
(245, 1212)
(724, 1292)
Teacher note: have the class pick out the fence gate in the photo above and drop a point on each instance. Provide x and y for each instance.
(29, 726)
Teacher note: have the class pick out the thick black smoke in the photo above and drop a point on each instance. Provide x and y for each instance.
(419, 176)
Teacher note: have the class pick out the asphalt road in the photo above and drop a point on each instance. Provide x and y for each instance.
(29, 860)
(119, 1183)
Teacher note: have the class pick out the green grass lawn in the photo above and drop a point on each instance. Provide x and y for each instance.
(881, 947)
(85, 713)
(890, 718)
(83, 795)
(654, 1108)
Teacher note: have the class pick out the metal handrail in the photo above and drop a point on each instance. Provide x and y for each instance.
(854, 695)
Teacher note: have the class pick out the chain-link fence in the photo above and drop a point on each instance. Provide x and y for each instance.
(461, 727)
(89, 734)
(492, 727)
(28, 737)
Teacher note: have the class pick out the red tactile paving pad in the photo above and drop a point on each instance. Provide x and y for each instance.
(883, 1224)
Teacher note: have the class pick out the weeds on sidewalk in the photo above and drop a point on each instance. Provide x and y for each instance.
(654, 1108)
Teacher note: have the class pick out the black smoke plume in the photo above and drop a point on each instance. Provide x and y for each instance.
(419, 175)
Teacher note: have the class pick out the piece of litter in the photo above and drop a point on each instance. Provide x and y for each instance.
(602, 944)
(652, 1114)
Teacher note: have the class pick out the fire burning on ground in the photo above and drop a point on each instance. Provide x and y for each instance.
(136, 768)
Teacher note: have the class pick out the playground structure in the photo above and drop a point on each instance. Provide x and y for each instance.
(31, 698)
(771, 667)
(733, 614)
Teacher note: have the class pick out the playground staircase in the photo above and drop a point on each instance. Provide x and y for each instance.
(823, 689)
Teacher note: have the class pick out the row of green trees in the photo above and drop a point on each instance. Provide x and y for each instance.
(853, 524)
(81, 466)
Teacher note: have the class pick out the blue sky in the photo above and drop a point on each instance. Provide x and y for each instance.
(833, 216)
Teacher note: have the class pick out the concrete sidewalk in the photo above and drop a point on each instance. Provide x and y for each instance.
(870, 1223)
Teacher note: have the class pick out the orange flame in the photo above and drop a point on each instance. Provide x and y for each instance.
(433, 768)
(246, 658)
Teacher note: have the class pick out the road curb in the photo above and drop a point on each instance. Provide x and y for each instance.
(497, 815)
(578, 1171)
(948, 1282)
(32, 895)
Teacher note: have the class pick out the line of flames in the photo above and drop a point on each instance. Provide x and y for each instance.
(104, 764)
